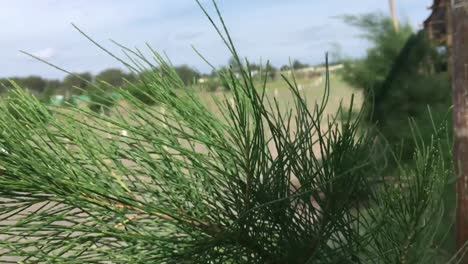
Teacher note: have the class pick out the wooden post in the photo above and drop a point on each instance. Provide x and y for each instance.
(459, 69)
(393, 14)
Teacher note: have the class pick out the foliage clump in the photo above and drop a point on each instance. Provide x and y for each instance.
(403, 76)
(386, 44)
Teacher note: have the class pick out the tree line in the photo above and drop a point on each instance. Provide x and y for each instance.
(77, 83)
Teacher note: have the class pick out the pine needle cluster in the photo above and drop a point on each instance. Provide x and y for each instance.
(183, 185)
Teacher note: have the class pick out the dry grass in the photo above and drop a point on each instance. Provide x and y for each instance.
(312, 90)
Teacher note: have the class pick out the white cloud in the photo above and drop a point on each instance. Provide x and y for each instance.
(45, 54)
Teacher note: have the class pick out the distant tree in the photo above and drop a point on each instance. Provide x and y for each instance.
(296, 65)
(399, 79)
(271, 70)
(113, 76)
(285, 68)
(130, 77)
(33, 83)
(254, 67)
(387, 43)
(211, 85)
(53, 84)
(187, 74)
(146, 74)
(265, 69)
(78, 80)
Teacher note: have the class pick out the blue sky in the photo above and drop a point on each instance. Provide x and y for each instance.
(266, 29)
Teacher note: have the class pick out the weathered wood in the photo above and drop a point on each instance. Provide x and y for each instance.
(460, 115)
(438, 24)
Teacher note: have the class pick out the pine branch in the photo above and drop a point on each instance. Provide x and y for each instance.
(255, 184)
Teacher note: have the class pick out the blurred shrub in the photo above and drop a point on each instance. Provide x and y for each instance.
(211, 85)
(386, 44)
(414, 88)
(402, 78)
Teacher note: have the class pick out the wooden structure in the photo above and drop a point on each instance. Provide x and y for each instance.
(438, 24)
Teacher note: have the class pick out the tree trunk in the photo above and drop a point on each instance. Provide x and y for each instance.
(460, 114)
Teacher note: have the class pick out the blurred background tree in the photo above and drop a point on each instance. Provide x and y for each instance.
(75, 83)
(386, 44)
(404, 77)
(187, 74)
(297, 65)
(112, 76)
(401, 76)
(33, 83)
(80, 80)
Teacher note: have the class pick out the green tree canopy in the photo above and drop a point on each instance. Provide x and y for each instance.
(400, 80)
(296, 65)
(80, 80)
(33, 83)
(386, 44)
(53, 84)
(187, 74)
(112, 76)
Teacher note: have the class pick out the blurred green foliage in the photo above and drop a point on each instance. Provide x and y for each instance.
(187, 74)
(403, 77)
(114, 76)
(386, 44)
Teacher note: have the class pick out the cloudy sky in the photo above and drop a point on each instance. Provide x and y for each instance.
(266, 29)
